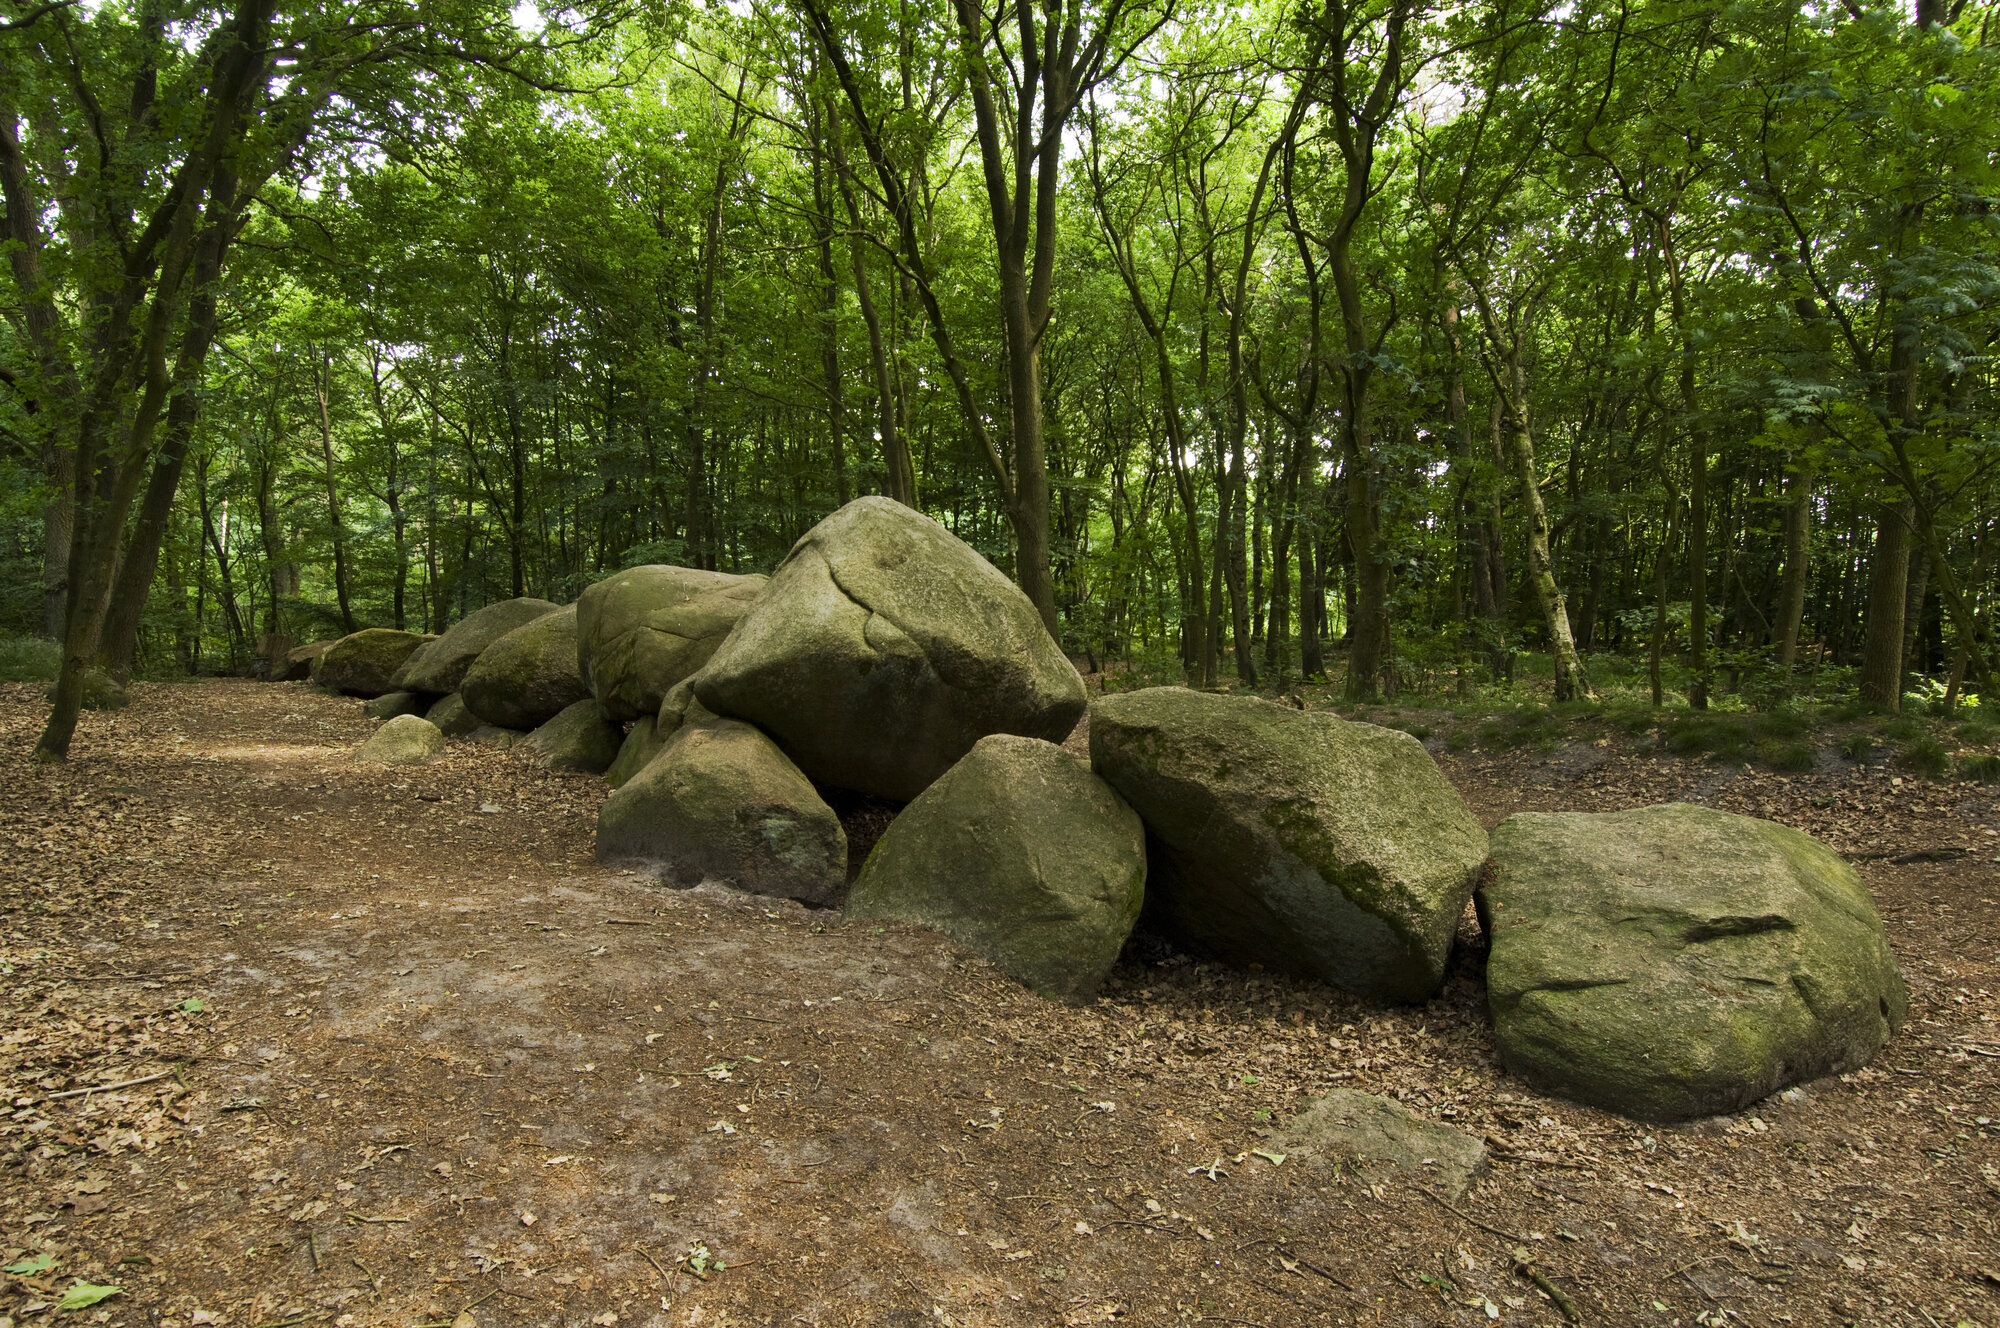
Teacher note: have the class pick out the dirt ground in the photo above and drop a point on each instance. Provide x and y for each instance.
(389, 1048)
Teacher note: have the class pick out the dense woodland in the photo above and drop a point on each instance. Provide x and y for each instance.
(1358, 339)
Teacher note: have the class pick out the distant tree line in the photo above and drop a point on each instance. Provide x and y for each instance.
(1371, 340)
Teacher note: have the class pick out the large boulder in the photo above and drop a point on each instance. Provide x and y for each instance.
(1021, 855)
(1298, 840)
(1675, 961)
(529, 676)
(723, 803)
(404, 740)
(451, 716)
(884, 649)
(644, 629)
(365, 663)
(578, 738)
(440, 665)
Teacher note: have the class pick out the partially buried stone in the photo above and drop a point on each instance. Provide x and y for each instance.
(579, 738)
(722, 803)
(404, 740)
(1023, 856)
(1674, 961)
(1375, 1136)
(1301, 841)
(494, 735)
(884, 649)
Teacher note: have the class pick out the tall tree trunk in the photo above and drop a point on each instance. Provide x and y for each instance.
(1881, 681)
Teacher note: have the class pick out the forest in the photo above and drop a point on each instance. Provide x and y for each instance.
(1647, 344)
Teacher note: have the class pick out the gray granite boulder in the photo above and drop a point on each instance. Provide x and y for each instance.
(644, 629)
(1298, 840)
(1675, 961)
(1021, 855)
(529, 676)
(884, 649)
(439, 666)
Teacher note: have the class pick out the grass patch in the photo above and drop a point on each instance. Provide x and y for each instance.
(1527, 726)
(26, 659)
(1783, 722)
(1786, 755)
(1925, 756)
(1977, 732)
(1984, 769)
(1856, 746)
(1903, 729)
(1725, 737)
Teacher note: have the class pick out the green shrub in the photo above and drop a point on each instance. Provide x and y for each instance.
(1985, 769)
(1456, 740)
(26, 659)
(1849, 711)
(1417, 731)
(1856, 746)
(1787, 755)
(1925, 756)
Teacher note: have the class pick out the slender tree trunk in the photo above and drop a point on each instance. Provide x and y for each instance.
(1798, 560)
(322, 385)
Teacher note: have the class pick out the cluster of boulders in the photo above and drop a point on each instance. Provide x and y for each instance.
(1665, 963)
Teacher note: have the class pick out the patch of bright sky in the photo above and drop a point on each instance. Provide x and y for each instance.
(528, 17)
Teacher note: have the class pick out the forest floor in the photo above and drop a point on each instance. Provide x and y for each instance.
(405, 1055)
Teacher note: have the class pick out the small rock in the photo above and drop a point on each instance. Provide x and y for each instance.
(404, 740)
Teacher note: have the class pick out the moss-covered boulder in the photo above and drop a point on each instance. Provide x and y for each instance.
(529, 676)
(1021, 855)
(404, 740)
(451, 716)
(578, 738)
(1675, 961)
(644, 629)
(723, 803)
(439, 666)
(296, 664)
(365, 663)
(884, 649)
(1298, 840)
(391, 704)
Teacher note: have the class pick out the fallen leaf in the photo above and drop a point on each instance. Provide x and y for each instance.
(82, 1295)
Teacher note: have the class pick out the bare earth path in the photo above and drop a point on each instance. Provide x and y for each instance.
(407, 1056)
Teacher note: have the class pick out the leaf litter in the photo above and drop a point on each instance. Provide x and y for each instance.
(325, 1026)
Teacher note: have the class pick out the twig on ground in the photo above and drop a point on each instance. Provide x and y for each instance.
(1564, 1305)
(1467, 1217)
(108, 1088)
(664, 1276)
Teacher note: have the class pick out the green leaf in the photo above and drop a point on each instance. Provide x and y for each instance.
(82, 1295)
(192, 1005)
(41, 1263)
